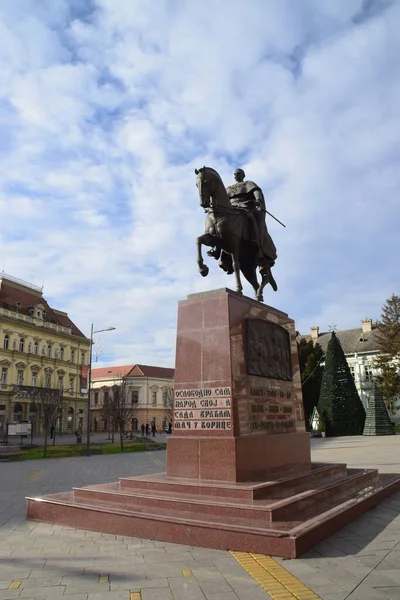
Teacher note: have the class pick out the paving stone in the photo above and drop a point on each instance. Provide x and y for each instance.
(393, 593)
(161, 594)
(54, 590)
(184, 587)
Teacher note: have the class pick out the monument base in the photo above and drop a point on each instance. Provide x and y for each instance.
(238, 459)
(239, 474)
(284, 516)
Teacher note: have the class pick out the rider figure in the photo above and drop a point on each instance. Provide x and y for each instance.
(247, 196)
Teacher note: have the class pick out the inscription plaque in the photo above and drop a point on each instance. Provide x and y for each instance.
(204, 409)
(268, 350)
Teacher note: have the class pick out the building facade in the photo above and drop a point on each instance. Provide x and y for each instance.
(41, 351)
(150, 392)
(360, 348)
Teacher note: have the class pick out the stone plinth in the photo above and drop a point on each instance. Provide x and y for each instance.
(237, 391)
(239, 475)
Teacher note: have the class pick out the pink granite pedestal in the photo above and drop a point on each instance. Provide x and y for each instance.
(227, 362)
(239, 474)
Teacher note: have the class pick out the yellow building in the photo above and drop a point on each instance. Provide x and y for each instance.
(40, 349)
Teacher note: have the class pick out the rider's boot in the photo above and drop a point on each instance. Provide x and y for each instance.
(214, 253)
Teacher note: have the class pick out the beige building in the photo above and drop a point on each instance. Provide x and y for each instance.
(40, 349)
(150, 389)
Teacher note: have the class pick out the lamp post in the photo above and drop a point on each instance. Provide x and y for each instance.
(92, 332)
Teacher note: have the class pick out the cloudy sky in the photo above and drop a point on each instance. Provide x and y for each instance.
(106, 108)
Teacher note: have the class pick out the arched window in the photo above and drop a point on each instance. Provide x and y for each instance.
(6, 341)
(82, 358)
(35, 348)
(21, 344)
(49, 350)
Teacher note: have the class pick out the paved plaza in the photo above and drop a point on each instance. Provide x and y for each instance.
(43, 561)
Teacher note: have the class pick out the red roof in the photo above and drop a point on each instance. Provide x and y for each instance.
(12, 296)
(149, 371)
(110, 372)
(133, 371)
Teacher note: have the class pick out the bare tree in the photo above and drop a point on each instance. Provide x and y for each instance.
(107, 412)
(123, 408)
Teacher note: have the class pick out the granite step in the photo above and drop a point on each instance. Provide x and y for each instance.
(282, 538)
(277, 486)
(307, 503)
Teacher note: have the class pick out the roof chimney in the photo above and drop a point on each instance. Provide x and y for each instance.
(366, 325)
(314, 332)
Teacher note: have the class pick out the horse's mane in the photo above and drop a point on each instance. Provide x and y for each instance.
(217, 175)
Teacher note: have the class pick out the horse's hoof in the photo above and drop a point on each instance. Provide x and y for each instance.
(239, 291)
(204, 271)
(260, 298)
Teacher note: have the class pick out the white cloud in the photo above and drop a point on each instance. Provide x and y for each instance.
(106, 112)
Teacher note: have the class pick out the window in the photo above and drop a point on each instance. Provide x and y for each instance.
(4, 372)
(352, 372)
(71, 385)
(165, 397)
(154, 397)
(106, 397)
(49, 350)
(34, 379)
(48, 379)
(21, 345)
(61, 353)
(368, 373)
(135, 397)
(96, 398)
(6, 342)
(82, 358)
(20, 377)
(72, 355)
(61, 382)
(35, 348)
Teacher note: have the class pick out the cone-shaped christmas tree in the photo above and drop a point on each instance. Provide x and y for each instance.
(377, 421)
(339, 403)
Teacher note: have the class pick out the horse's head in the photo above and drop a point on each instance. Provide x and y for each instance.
(205, 184)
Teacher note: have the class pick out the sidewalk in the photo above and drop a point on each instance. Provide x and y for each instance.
(362, 560)
(43, 561)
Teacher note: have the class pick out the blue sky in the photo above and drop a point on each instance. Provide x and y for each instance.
(106, 108)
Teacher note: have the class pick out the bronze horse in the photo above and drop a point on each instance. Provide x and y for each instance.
(227, 230)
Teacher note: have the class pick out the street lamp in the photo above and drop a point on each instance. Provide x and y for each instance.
(92, 332)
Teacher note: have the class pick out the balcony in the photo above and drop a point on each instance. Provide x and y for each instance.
(27, 319)
(32, 392)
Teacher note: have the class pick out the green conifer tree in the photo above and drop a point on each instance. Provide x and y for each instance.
(339, 403)
(310, 358)
(388, 359)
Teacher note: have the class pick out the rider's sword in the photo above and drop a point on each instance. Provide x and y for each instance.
(268, 213)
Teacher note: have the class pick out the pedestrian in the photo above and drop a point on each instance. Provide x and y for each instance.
(142, 428)
(170, 428)
(153, 430)
(147, 429)
(52, 428)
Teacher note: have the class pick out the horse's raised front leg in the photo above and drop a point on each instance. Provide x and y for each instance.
(202, 266)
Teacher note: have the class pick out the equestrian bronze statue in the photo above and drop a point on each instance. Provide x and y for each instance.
(235, 228)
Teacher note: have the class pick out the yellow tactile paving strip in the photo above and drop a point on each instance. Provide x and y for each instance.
(273, 578)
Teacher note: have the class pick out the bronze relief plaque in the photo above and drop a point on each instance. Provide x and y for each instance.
(268, 350)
